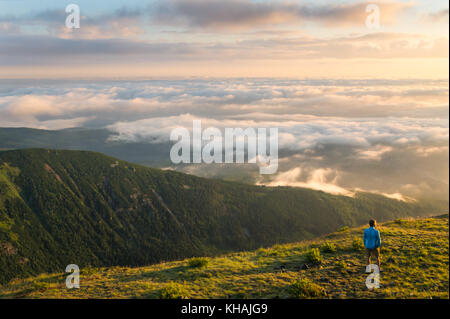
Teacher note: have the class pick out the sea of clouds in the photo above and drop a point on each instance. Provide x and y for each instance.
(340, 136)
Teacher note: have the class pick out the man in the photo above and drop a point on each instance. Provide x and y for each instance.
(372, 242)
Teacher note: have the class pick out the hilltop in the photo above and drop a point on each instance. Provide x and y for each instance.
(415, 265)
(85, 208)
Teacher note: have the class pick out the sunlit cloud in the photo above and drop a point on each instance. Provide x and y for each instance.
(320, 179)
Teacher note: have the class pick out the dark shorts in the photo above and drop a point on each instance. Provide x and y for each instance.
(373, 252)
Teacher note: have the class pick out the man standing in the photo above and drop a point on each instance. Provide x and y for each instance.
(372, 242)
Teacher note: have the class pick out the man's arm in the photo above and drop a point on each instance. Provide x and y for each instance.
(378, 242)
(364, 237)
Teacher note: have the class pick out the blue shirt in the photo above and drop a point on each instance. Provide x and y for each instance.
(372, 238)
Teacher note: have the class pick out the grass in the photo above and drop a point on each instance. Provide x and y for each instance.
(173, 291)
(415, 256)
(328, 247)
(313, 256)
(198, 262)
(306, 289)
(357, 244)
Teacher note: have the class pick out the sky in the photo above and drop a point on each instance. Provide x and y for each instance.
(357, 108)
(217, 38)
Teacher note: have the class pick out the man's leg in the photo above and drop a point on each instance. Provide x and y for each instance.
(368, 256)
(377, 252)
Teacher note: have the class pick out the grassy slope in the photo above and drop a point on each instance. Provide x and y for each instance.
(415, 265)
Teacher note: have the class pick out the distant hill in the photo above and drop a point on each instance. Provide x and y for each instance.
(64, 207)
(414, 265)
(152, 154)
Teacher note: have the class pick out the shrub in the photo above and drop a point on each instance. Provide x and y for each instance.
(304, 288)
(198, 262)
(313, 256)
(357, 244)
(328, 247)
(341, 265)
(173, 291)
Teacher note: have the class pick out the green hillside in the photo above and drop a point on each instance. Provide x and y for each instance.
(74, 207)
(414, 265)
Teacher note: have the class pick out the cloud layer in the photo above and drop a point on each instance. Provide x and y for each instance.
(388, 136)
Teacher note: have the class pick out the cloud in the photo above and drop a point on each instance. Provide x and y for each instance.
(123, 22)
(217, 14)
(244, 14)
(67, 54)
(211, 16)
(436, 17)
(375, 153)
(287, 102)
(319, 179)
(9, 28)
(23, 49)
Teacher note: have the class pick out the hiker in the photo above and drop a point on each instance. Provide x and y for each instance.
(372, 242)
